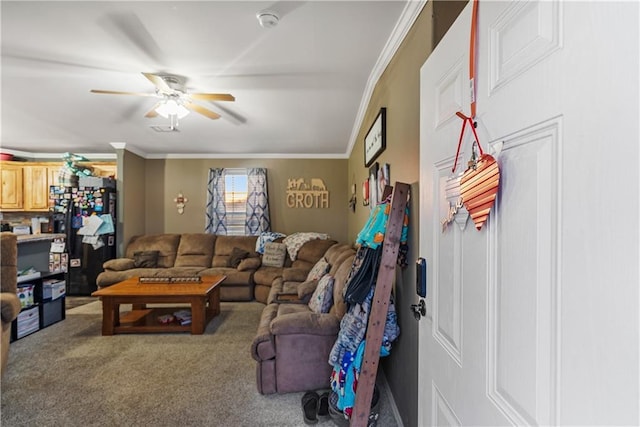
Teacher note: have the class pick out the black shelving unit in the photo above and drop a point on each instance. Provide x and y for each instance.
(47, 307)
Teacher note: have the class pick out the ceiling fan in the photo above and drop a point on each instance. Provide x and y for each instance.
(175, 102)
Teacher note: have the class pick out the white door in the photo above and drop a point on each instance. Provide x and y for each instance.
(533, 320)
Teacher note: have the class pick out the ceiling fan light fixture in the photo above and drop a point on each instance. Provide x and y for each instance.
(267, 18)
(172, 108)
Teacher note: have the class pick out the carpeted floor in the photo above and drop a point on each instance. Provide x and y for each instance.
(73, 302)
(70, 375)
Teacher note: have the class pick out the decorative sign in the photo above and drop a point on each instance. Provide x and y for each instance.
(479, 187)
(376, 140)
(457, 212)
(180, 201)
(302, 194)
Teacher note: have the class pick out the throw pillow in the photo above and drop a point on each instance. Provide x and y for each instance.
(236, 256)
(319, 270)
(249, 264)
(145, 259)
(322, 297)
(274, 254)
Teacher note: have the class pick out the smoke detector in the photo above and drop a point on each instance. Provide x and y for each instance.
(267, 18)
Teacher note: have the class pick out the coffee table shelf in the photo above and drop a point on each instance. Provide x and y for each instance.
(203, 298)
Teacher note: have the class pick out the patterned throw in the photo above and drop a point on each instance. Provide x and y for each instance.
(295, 241)
(266, 237)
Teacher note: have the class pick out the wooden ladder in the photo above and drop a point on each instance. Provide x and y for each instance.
(380, 306)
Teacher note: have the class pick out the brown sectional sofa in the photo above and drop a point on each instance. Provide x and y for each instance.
(293, 343)
(202, 254)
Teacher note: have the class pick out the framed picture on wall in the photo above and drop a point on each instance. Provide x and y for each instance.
(376, 140)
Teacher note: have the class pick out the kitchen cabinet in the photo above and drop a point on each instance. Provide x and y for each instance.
(12, 183)
(25, 185)
(36, 188)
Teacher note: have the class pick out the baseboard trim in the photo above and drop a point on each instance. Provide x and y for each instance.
(394, 408)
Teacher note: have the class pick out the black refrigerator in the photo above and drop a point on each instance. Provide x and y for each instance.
(88, 245)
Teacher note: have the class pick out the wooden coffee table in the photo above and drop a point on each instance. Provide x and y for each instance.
(204, 298)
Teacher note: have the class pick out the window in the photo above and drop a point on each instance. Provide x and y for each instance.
(235, 199)
(237, 202)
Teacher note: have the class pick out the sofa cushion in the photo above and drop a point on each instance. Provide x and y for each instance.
(318, 270)
(295, 274)
(119, 264)
(339, 259)
(145, 259)
(237, 255)
(195, 250)
(298, 319)
(224, 247)
(274, 254)
(252, 263)
(165, 244)
(339, 307)
(322, 297)
(313, 250)
(295, 242)
(265, 275)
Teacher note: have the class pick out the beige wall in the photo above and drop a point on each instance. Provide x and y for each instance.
(131, 208)
(166, 178)
(398, 89)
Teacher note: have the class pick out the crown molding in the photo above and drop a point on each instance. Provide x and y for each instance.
(404, 24)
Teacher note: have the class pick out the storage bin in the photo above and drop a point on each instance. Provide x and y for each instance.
(25, 294)
(53, 289)
(52, 312)
(28, 321)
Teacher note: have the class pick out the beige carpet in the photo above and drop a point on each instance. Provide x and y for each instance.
(70, 375)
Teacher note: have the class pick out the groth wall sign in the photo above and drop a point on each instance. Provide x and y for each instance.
(302, 194)
(376, 140)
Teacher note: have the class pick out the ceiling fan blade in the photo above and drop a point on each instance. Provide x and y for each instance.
(198, 109)
(153, 113)
(213, 96)
(130, 30)
(159, 82)
(114, 92)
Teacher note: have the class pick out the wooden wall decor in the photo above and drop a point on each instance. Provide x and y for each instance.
(307, 195)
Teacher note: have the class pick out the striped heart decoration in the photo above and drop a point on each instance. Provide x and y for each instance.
(479, 188)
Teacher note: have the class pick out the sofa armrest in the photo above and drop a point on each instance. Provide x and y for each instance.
(119, 264)
(9, 306)
(262, 347)
(305, 323)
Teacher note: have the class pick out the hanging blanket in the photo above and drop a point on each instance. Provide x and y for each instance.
(266, 237)
(295, 241)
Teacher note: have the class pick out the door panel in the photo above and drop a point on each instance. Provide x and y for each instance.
(534, 318)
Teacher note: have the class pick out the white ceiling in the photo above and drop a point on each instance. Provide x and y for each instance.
(301, 88)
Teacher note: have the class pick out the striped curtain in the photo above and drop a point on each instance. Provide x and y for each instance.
(257, 202)
(216, 210)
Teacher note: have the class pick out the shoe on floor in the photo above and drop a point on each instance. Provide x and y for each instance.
(323, 406)
(310, 403)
